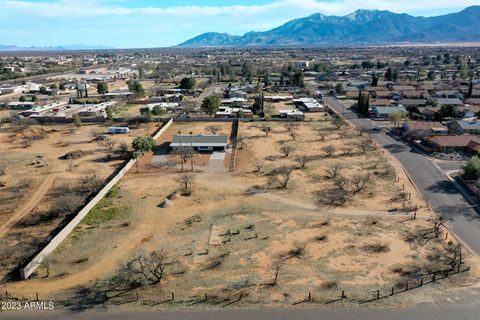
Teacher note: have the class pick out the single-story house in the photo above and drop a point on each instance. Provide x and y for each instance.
(380, 103)
(448, 144)
(465, 126)
(384, 112)
(292, 114)
(449, 102)
(429, 113)
(200, 142)
(410, 103)
(309, 105)
(277, 98)
(418, 130)
(449, 94)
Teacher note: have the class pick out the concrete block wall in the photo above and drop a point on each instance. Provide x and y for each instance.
(36, 261)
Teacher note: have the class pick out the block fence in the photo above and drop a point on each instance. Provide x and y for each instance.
(26, 271)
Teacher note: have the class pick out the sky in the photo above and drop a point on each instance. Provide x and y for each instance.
(163, 23)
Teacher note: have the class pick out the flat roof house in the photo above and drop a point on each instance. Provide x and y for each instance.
(384, 112)
(200, 142)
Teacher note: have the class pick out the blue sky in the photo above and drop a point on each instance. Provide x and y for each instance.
(142, 23)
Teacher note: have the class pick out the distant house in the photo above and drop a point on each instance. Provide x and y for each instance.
(429, 113)
(449, 102)
(465, 126)
(362, 85)
(410, 103)
(384, 112)
(380, 103)
(418, 130)
(308, 105)
(292, 114)
(200, 142)
(449, 94)
(448, 144)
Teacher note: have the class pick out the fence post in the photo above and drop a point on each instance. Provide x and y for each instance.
(378, 294)
(433, 277)
(421, 281)
(406, 286)
(393, 291)
(206, 297)
(36, 294)
(343, 295)
(137, 296)
(173, 296)
(309, 296)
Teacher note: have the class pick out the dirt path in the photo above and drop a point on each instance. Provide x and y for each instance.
(30, 205)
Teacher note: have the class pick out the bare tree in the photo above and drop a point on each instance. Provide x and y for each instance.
(329, 150)
(322, 136)
(151, 268)
(258, 166)
(340, 182)
(274, 270)
(266, 130)
(241, 141)
(287, 150)
(281, 176)
(364, 145)
(70, 163)
(107, 143)
(346, 151)
(186, 179)
(338, 122)
(360, 182)
(90, 183)
(291, 126)
(333, 170)
(3, 169)
(302, 160)
(213, 129)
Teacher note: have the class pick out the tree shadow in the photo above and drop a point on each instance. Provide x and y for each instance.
(455, 211)
(444, 186)
(85, 298)
(395, 148)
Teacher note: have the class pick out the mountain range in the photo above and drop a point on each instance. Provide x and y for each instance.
(55, 48)
(363, 27)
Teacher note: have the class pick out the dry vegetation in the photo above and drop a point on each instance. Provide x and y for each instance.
(331, 213)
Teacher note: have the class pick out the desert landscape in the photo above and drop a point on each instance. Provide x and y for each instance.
(334, 214)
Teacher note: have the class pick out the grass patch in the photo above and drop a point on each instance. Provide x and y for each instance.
(107, 209)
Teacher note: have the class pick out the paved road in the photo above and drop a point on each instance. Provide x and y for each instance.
(463, 304)
(441, 194)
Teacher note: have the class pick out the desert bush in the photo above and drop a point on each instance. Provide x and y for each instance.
(376, 248)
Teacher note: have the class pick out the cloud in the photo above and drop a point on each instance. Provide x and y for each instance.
(125, 23)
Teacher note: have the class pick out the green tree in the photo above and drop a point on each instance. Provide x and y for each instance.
(363, 104)
(431, 75)
(136, 88)
(470, 90)
(396, 117)
(210, 105)
(247, 72)
(140, 145)
(188, 83)
(339, 89)
(34, 98)
(448, 111)
(471, 170)
(374, 79)
(297, 78)
(110, 113)
(22, 99)
(77, 121)
(102, 87)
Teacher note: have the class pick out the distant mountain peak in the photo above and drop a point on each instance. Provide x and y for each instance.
(358, 28)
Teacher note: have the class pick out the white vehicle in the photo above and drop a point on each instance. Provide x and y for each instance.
(115, 130)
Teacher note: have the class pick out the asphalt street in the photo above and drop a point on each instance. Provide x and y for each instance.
(441, 194)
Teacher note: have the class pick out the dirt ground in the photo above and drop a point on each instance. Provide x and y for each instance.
(236, 232)
(38, 175)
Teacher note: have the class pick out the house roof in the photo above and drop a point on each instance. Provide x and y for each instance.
(412, 125)
(388, 110)
(199, 140)
(449, 101)
(468, 124)
(412, 102)
(453, 141)
(381, 102)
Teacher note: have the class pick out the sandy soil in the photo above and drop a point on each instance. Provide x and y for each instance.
(322, 248)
